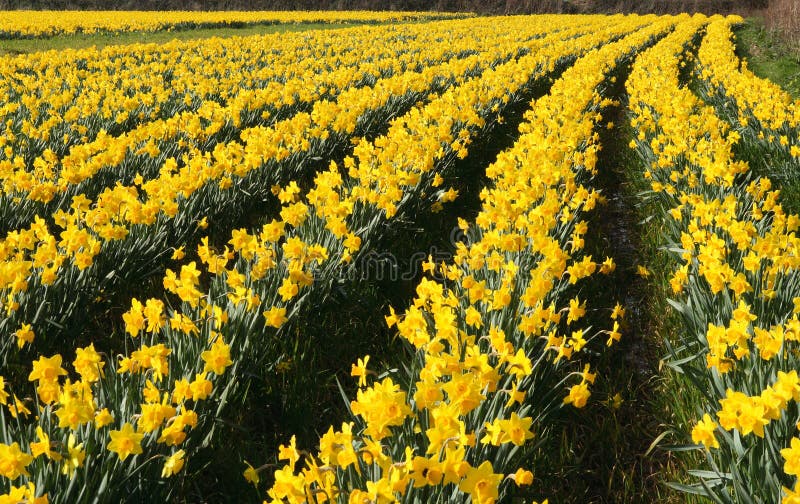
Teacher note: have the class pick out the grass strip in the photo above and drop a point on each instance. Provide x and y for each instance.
(768, 55)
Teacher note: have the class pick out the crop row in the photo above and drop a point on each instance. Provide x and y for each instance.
(735, 281)
(35, 24)
(223, 316)
(47, 275)
(220, 218)
(64, 125)
(494, 346)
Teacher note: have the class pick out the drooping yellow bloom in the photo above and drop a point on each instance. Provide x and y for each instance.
(251, 474)
(287, 484)
(125, 442)
(703, 432)
(43, 446)
(74, 458)
(289, 453)
(18, 408)
(217, 358)
(425, 471)
(26, 494)
(275, 316)
(88, 363)
(791, 457)
(47, 369)
(391, 319)
(173, 464)
(76, 405)
(578, 395)
(288, 290)
(614, 335)
(360, 370)
(153, 415)
(153, 312)
(482, 484)
(513, 430)
(747, 414)
(24, 335)
(3, 393)
(522, 477)
(103, 418)
(13, 461)
(134, 318)
(173, 434)
(201, 387)
(576, 310)
(515, 395)
(517, 429)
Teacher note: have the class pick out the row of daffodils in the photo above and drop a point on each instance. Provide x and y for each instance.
(85, 248)
(494, 345)
(222, 190)
(736, 281)
(35, 24)
(79, 425)
(133, 109)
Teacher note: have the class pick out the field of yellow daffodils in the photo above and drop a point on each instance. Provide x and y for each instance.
(38, 24)
(181, 225)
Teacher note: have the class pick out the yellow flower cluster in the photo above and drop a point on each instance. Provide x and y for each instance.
(735, 245)
(25, 24)
(129, 154)
(183, 361)
(427, 135)
(479, 341)
(126, 214)
(173, 93)
(762, 105)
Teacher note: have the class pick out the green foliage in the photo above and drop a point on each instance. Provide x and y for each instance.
(769, 55)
